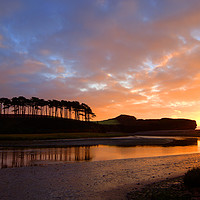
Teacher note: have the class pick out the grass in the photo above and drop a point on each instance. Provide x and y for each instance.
(45, 136)
(109, 122)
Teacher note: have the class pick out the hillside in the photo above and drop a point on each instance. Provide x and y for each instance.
(43, 124)
(122, 123)
(127, 123)
(121, 119)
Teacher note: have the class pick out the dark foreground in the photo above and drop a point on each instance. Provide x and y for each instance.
(173, 189)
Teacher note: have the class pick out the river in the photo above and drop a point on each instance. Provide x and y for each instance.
(20, 157)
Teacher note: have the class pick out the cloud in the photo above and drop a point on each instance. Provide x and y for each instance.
(136, 57)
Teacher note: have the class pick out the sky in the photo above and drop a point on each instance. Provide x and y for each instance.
(135, 57)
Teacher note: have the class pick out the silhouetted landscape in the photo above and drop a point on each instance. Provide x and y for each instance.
(126, 123)
(35, 107)
(35, 115)
(35, 132)
(38, 119)
(42, 124)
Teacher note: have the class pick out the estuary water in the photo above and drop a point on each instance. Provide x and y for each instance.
(21, 157)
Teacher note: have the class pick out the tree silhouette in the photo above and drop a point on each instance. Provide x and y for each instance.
(6, 105)
(22, 105)
(15, 105)
(39, 107)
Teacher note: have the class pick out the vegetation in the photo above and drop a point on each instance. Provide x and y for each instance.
(192, 178)
(109, 122)
(21, 106)
(119, 120)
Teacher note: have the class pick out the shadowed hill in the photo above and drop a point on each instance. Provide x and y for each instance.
(44, 125)
(121, 119)
(126, 119)
(127, 123)
(122, 123)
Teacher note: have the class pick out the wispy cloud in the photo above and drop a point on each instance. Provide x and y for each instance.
(136, 57)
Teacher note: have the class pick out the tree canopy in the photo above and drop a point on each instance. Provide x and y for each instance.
(21, 106)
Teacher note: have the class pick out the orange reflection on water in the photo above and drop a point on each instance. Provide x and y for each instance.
(112, 152)
(30, 157)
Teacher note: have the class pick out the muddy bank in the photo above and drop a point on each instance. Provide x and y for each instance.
(118, 141)
(100, 180)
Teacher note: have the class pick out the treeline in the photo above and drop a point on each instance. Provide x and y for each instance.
(21, 106)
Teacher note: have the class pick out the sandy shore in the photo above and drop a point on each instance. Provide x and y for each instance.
(90, 180)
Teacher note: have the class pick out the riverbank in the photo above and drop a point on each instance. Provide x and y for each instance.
(12, 138)
(53, 136)
(99, 180)
(125, 141)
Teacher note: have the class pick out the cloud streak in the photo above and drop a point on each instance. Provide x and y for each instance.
(135, 57)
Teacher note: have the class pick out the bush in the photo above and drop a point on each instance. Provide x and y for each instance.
(192, 178)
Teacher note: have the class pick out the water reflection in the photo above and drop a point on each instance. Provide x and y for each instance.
(30, 157)
(20, 157)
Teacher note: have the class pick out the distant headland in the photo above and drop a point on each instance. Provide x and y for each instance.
(127, 123)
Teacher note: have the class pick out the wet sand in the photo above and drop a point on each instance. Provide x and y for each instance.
(90, 180)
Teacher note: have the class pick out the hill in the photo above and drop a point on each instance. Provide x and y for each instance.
(123, 123)
(121, 119)
(127, 123)
(36, 124)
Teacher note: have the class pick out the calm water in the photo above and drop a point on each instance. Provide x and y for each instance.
(30, 157)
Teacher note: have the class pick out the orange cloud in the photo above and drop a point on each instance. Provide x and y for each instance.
(132, 57)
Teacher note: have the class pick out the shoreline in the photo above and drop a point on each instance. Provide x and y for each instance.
(101, 180)
(95, 135)
(160, 138)
(125, 141)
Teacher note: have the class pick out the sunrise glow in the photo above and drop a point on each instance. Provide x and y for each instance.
(132, 57)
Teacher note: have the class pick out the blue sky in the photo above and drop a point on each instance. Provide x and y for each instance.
(138, 57)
